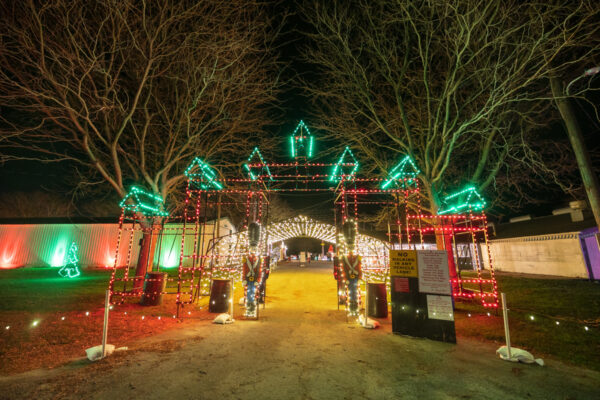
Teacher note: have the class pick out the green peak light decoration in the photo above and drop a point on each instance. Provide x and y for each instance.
(301, 139)
(141, 201)
(338, 169)
(71, 267)
(201, 174)
(405, 171)
(252, 171)
(467, 199)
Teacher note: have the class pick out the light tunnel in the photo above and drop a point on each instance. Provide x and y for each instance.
(302, 226)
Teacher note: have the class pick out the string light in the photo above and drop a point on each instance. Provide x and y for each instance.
(467, 198)
(405, 172)
(263, 166)
(299, 138)
(141, 201)
(335, 177)
(200, 173)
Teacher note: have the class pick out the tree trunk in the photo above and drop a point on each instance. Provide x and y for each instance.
(590, 179)
(146, 256)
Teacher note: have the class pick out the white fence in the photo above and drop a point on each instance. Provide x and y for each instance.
(43, 245)
(555, 254)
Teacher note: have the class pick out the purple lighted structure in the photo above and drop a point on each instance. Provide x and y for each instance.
(591, 252)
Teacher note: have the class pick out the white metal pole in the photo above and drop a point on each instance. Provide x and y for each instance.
(366, 301)
(105, 327)
(505, 316)
(231, 299)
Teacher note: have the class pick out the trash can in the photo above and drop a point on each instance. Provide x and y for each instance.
(154, 286)
(220, 293)
(377, 298)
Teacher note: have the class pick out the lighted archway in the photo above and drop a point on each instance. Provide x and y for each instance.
(374, 251)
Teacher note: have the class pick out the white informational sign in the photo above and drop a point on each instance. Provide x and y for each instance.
(440, 307)
(302, 256)
(433, 272)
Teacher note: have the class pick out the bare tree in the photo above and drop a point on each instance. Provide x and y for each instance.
(461, 86)
(130, 90)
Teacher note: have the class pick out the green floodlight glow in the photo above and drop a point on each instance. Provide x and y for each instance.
(301, 125)
(57, 258)
(200, 172)
(256, 152)
(71, 267)
(143, 202)
(401, 172)
(335, 177)
(467, 199)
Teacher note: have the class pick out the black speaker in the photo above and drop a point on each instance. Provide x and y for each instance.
(220, 293)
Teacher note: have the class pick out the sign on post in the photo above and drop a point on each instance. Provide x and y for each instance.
(433, 272)
(403, 263)
(421, 295)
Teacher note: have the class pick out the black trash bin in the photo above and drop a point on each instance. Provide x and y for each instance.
(154, 286)
(377, 298)
(220, 293)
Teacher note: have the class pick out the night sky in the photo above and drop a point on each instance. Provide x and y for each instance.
(30, 176)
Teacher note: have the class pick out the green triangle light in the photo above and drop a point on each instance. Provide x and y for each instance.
(405, 172)
(201, 174)
(140, 201)
(338, 169)
(467, 200)
(301, 140)
(251, 170)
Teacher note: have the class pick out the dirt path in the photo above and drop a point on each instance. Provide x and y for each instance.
(302, 348)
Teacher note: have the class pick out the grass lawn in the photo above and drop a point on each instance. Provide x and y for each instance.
(53, 319)
(573, 303)
(64, 330)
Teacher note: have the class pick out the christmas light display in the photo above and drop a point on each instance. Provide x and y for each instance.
(252, 268)
(143, 202)
(464, 201)
(300, 140)
(206, 253)
(405, 172)
(71, 267)
(351, 267)
(200, 173)
(257, 170)
(340, 169)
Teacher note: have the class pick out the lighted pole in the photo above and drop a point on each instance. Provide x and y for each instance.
(589, 178)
